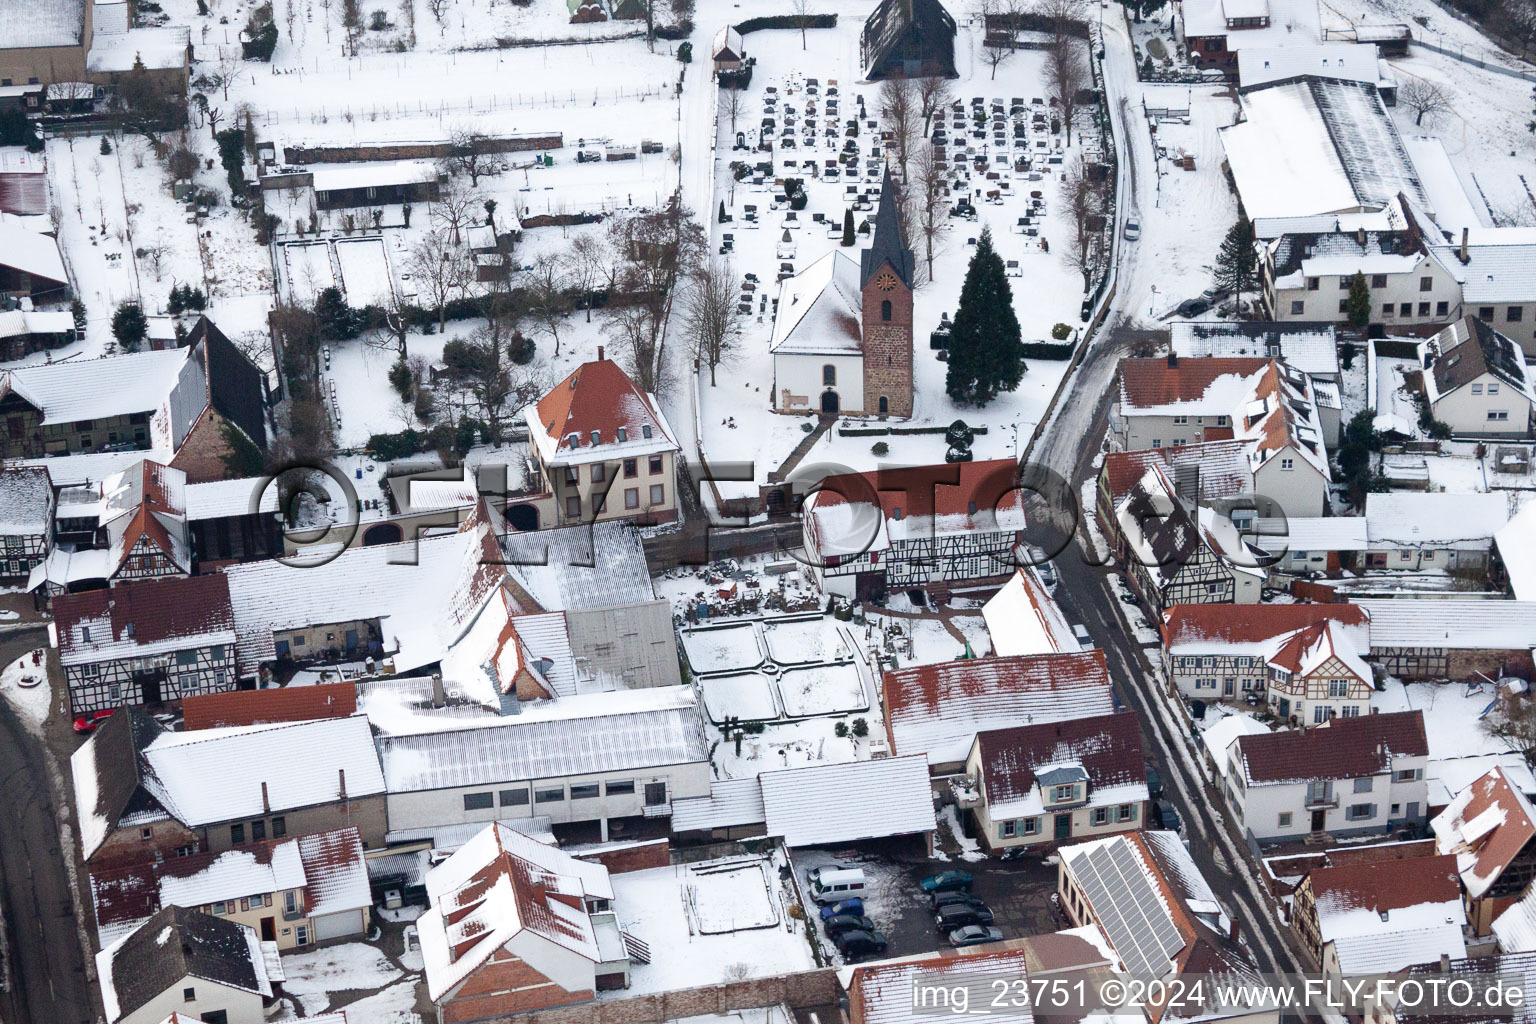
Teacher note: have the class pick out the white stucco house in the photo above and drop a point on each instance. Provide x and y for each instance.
(1476, 381)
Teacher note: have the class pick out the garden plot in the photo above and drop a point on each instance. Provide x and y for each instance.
(365, 275)
(801, 641)
(723, 648)
(744, 695)
(308, 270)
(730, 897)
(821, 690)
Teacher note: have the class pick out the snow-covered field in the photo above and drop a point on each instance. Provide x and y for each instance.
(1451, 716)
(800, 641)
(744, 695)
(821, 690)
(365, 275)
(651, 906)
(722, 648)
(726, 898)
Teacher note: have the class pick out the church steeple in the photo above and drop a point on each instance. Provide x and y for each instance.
(887, 247)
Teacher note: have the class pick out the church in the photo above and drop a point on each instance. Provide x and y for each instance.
(842, 334)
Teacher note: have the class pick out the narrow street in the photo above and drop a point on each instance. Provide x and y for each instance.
(47, 965)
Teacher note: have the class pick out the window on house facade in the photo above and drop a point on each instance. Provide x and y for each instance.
(1408, 775)
(258, 831)
(1061, 793)
(1298, 307)
(279, 827)
(658, 494)
(1364, 785)
(631, 468)
(1126, 812)
(1378, 280)
(619, 788)
(1359, 812)
(188, 995)
(1312, 284)
(1029, 826)
(1426, 284)
(1442, 308)
(1386, 309)
(1423, 309)
(573, 474)
(1101, 815)
(236, 834)
(1351, 711)
(599, 473)
(1405, 309)
(1477, 389)
(1338, 687)
(655, 465)
(584, 791)
(1485, 313)
(1343, 305)
(1286, 465)
(1007, 829)
(1321, 713)
(885, 310)
(1344, 283)
(573, 506)
(828, 376)
(1498, 415)
(1514, 314)
(553, 794)
(645, 431)
(631, 497)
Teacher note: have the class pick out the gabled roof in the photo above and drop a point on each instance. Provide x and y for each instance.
(1486, 826)
(236, 389)
(820, 308)
(1517, 966)
(1384, 916)
(1416, 519)
(1452, 623)
(1468, 349)
(881, 993)
(1211, 627)
(29, 251)
(259, 707)
(1343, 748)
(901, 30)
(147, 502)
(887, 247)
(147, 618)
(842, 803)
(1309, 345)
(1022, 618)
(1212, 385)
(578, 568)
(1106, 749)
(1312, 647)
(1516, 541)
(1211, 469)
(40, 23)
(88, 389)
(495, 886)
(173, 945)
(597, 397)
(938, 709)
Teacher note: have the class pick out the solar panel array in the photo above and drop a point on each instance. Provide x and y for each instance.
(1127, 905)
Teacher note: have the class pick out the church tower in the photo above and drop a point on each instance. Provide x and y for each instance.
(885, 285)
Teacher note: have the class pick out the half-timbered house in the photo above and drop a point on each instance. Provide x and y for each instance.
(1380, 916)
(155, 641)
(26, 520)
(932, 529)
(1490, 827)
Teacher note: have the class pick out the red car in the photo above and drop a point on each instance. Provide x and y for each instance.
(88, 722)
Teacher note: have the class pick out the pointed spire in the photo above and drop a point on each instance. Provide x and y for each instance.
(888, 246)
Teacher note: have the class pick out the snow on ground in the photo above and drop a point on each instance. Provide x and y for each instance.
(1451, 713)
(949, 821)
(1429, 19)
(24, 683)
(788, 745)
(393, 1005)
(797, 641)
(316, 975)
(650, 906)
(722, 648)
(821, 690)
(727, 898)
(744, 695)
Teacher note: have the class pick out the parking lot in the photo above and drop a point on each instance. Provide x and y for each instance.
(1017, 892)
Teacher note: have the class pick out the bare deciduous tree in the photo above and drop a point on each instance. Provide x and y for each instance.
(440, 268)
(929, 191)
(469, 150)
(734, 105)
(480, 367)
(654, 249)
(586, 266)
(1067, 74)
(709, 314)
(1084, 200)
(900, 116)
(1425, 99)
(439, 9)
(801, 9)
(458, 203)
(1517, 20)
(548, 304)
(933, 95)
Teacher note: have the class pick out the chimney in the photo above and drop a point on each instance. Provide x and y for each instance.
(266, 805)
(1445, 963)
(599, 353)
(439, 695)
(1360, 235)
(1232, 932)
(1173, 360)
(1463, 255)
(342, 772)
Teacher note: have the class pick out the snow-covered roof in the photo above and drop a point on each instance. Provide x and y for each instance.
(731, 802)
(215, 775)
(1448, 185)
(1023, 619)
(1516, 927)
(1469, 350)
(938, 709)
(1485, 827)
(842, 803)
(577, 735)
(1516, 541)
(1342, 748)
(17, 322)
(820, 309)
(1310, 347)
(1219, 737)
(1452, 623)
(27, 250)
(488, 661)
(578, 568)
(26, 501)
(1254, 629)
(151, 618)
(1018, 763)
(1317, 146)
(85, 389)
(218, 499)
(881, 993)
(172, 946)
(497, 885)
(39, 23)
(1312, 533)
(158, 48)
(1353, 62)
(1493, 273)
(727, 39)
(1386, 916)
(372, 174)
(1416, 519)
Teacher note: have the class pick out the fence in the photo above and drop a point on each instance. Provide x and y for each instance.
(474, 105)
(1460, 53)
(805, 988)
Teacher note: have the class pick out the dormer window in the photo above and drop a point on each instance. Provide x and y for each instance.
(574, 440)
(623, 434)
(896, 513)
(128, 630)
(597, 437)
(645, 431)
(85, 633)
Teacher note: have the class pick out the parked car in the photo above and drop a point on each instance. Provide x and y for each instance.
(957, 916)
(947, 881)
(1132, 230)
(857, 944)
(1193, 307)
(91, 719)
(1154, 785)
(833, 884)
(1167, 816)
(854, 906)
(954, 898)
(974, 935)
(836, 926)
(1080, 632)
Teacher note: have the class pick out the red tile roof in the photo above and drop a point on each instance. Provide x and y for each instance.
(1345, 748)
(597, 396)
(1107, 746)
(161, 609)
(257, 707)
(1223, 467)
(1385, 885)
(1251, 623)
(1483, 853)
(1152, 382)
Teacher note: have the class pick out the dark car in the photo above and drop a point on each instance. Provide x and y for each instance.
(842, 923)
(1193, 307)
(954, 898)
(857, 944)
(947, 919)
(974, 935)
(947, 881)
(843, 908)
(1154, 786)
(1167, 816)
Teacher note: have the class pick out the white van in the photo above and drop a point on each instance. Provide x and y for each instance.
(828, 885)
(1081, 633)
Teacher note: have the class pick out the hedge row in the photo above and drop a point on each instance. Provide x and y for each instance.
(787, 21)
(889, 431)
(1048, 349)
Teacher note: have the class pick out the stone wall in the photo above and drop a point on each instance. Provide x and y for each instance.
(806, 988)
(415, 150)
(656, 854)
